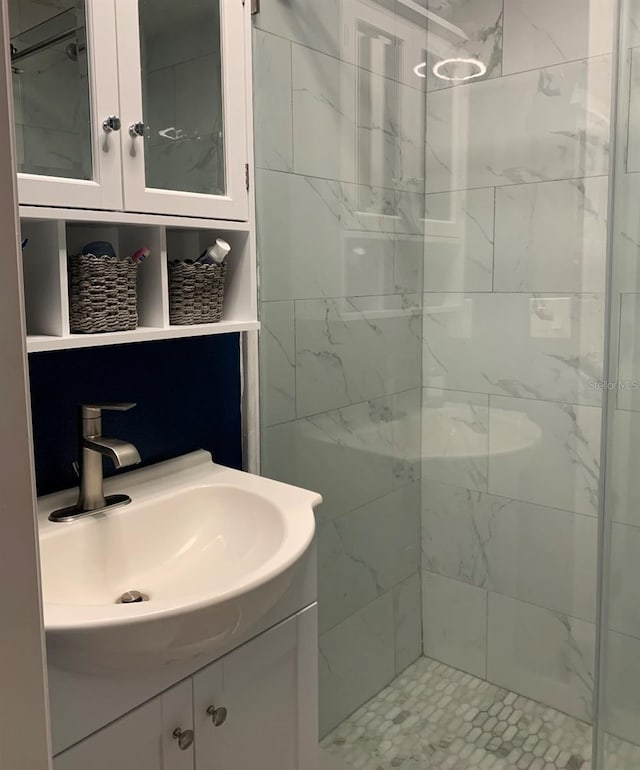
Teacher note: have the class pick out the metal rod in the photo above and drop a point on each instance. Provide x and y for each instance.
(33, 49)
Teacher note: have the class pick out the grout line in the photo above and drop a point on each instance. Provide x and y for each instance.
(441, 192)
(513, 598)
(587, 516)
(493, 245)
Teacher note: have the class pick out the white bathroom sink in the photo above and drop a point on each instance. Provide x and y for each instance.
(212, 548)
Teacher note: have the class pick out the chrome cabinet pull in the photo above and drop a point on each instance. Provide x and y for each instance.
(137, 129)
(112, 123)
(218, 715)
(184, 738)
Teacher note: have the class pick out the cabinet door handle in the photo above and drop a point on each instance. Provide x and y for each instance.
(112, 123)
(184, 738)
(137, 129)
(218, 715)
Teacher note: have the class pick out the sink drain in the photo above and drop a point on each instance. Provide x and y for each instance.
(132, 597)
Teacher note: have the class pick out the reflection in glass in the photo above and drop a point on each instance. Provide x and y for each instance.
(182, 95)
(51, 88)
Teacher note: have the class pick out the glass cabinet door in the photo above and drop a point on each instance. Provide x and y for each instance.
(184, 137)
(64, 87)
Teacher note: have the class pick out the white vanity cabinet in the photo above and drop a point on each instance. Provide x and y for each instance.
(254, 708)
(141, 740)
(132, 105)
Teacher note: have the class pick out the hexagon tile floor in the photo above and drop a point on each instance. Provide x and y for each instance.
(434, 717)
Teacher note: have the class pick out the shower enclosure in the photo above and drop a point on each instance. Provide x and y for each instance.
(448, 234)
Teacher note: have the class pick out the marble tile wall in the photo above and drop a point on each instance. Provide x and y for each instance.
(513, 347)
(340, 198)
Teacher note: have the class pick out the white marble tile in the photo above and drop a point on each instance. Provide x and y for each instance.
(631, 22)
(500, 544)
(633, 148)
(552, 236)
(624, 578)
(541, 654)
(353, 125)
(455, 437)
(623, 482)
(477, 35)
(621, 707)
(628, 380)
(366, 552)
(534, 126)
(356, 349)
(626, 264)
(329, 762)
(298, 236)
(409, 260)
(545, 453)
(357, 659)
(318, 238)
(386, 38)
(545, 32)
(454, 618)
(552, 347)
(406, 433)
(346, 455)
(323, 115)
(407, 605)
(410, 214)
(459, 240)
(277, 363)
(312, 24)
(273, 133)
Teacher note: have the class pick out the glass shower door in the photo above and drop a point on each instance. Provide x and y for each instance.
(618, 744)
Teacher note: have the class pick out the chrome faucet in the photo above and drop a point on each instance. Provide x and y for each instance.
(92, 446)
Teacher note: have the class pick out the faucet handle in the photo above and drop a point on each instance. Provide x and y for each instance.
(89, 411)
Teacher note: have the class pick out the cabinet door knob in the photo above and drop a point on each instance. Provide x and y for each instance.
(184, 738)
(112, 123)
(137, 129)
(218, 715)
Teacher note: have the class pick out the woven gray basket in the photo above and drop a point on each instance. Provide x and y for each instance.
(196, 293)
(102, 294)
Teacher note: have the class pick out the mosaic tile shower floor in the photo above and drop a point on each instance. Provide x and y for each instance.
(434, 717)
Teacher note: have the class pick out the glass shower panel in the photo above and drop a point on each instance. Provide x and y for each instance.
(432, 222)
(182, 95)
(51, 88)
(619, 706)
(339, 131)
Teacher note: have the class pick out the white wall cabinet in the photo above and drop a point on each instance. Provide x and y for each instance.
(173, 76)
(256, 708)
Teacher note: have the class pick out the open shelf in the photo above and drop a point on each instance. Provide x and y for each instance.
(50, 241)
(41, 343)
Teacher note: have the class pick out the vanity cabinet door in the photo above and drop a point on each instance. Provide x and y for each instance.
(178, 736)
(131, 743)
(145, 739)
(268, 689)
(65, 87)
(210, 717)
(182, 69)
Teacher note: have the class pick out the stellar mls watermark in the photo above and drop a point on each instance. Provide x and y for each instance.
(614, 385)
